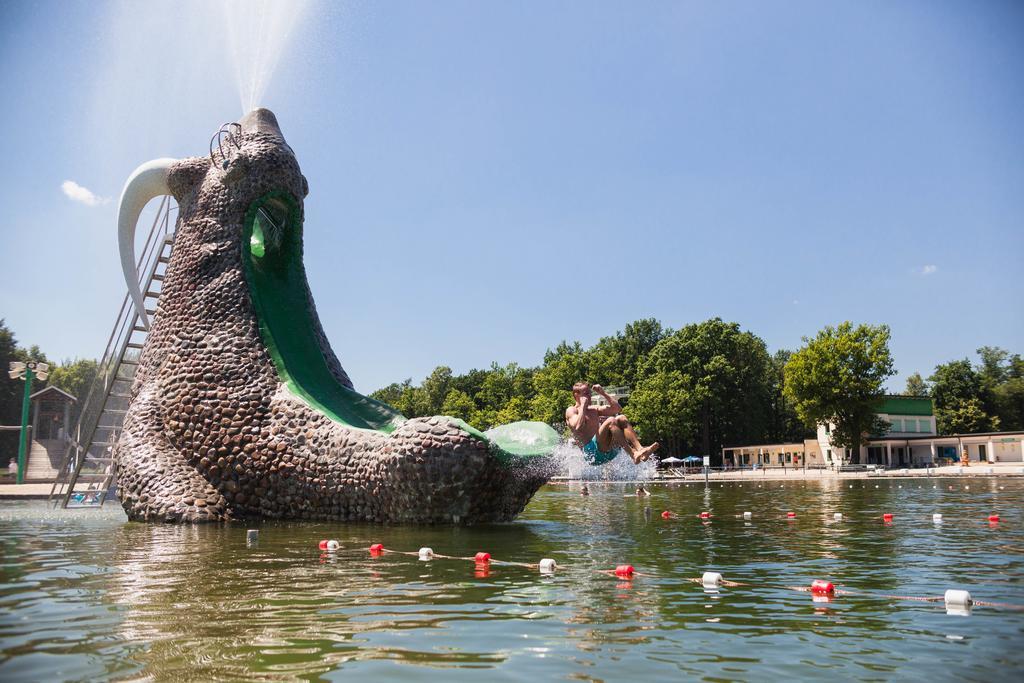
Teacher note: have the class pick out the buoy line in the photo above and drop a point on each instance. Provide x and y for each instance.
(954, 599)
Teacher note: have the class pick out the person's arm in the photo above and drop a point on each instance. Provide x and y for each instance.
(613, 408)
(574, 415)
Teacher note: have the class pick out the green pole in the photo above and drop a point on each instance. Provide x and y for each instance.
(24, 425)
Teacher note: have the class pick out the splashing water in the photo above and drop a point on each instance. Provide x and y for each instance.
(569, 462)
(258, 32)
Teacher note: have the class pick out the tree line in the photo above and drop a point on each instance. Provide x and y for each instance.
(985, 396)
(694, 389)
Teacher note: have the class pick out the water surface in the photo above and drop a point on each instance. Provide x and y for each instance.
(86, 595)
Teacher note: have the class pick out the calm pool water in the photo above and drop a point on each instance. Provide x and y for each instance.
(87, 595)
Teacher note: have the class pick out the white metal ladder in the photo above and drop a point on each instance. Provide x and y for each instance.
(88, 457)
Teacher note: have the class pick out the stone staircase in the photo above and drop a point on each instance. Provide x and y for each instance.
(44, 460)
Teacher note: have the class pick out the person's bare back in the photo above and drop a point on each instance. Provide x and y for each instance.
(600, 431)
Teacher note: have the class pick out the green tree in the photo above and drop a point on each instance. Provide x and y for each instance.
(10, 395)
(784, 424)
(12, 390)
(916, 386)
(518, 408)
(838, 377)
(563, 366)
(721, 372)
(964, 416)
(459, 404)
(392, 394)
(435, 389)
(1009, 402)
(960, 396)
(616, 360)
(663, 408)
(75, 377)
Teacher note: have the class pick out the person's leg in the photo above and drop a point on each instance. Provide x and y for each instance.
(609, 435)
(630, 442)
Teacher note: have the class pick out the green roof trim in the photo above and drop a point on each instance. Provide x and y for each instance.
(906, 405)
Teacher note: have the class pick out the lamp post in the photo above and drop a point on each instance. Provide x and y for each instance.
(26, 371)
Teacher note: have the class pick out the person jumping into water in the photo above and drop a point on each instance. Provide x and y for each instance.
(602, 431)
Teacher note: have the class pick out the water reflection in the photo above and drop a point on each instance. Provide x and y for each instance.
(87, 595)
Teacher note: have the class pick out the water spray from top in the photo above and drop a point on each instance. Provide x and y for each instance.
(258, 33)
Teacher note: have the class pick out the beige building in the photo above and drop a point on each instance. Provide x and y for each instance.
(910, 441)
(798, 454)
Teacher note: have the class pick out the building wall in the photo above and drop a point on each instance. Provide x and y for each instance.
(909, 425)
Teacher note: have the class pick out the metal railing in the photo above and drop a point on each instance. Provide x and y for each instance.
(116, 368)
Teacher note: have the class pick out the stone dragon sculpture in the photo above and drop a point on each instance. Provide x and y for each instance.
(239, 408)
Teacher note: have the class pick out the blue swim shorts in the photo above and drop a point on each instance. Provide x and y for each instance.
(594, 455)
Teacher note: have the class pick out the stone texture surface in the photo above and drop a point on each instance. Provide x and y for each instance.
(211, 434)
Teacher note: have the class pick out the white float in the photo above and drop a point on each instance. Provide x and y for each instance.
(426, 554)
(958, 598)
(547, 566)
(937, 518)
(711, 579)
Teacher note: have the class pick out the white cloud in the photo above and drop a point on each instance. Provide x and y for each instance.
(77, 193)
(929, 269)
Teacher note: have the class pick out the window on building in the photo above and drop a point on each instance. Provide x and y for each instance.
(924, 425)
(896, 425)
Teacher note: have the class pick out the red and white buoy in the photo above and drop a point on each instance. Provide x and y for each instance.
(887, 518)
(705, 515)
(377, 549)
(482, 558)
(547, 566)
(822, 587)
(993, 518)
(790, 515)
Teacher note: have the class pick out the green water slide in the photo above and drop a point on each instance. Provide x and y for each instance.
(272, 256)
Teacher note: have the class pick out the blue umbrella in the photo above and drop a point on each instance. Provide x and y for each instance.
(693, 458)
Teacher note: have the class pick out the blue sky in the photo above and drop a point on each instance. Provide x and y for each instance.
(487, 179)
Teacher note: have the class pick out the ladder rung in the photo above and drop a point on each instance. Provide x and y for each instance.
(89, 460)
(150, 311)
(158, 277)
(102, 443)
(134, 345)
(139, 328)
(163, 259)
(114, 411)
(151, 293)
(125, 361)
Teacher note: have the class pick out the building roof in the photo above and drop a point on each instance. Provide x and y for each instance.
(50, 390)
(937, 437)
(906, 405)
